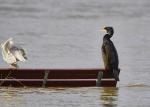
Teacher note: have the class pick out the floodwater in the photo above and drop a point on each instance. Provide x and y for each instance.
(65, 34)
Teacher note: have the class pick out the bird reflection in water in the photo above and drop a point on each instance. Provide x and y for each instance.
(109, 96)
(10, 97)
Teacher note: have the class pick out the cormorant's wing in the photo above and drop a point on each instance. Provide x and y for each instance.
(111, 53)
(105, 56)
(110, 57)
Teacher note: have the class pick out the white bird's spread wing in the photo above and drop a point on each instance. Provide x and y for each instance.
(11, 53)
(6, 45)
(9, 58)
(19, 56)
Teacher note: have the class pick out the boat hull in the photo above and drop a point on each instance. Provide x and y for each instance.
(56, 78)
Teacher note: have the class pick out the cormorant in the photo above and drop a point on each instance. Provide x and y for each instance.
(12, 54)
(109, 53)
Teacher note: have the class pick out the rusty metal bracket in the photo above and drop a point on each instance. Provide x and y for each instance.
(45, 78)
(99, 78)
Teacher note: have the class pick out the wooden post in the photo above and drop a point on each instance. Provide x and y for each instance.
(45, 78)
(99, 78)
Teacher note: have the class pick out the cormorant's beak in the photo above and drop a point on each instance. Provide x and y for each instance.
(103, 30)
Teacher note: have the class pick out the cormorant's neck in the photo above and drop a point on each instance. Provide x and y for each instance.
(110, 34)
(107, 36)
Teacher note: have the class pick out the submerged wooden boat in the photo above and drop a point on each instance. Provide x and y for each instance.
(56, 77)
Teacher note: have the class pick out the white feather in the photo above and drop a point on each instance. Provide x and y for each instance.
(19, 56)
(11, 54)
(7, 56)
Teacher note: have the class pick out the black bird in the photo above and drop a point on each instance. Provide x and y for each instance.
(109, 53)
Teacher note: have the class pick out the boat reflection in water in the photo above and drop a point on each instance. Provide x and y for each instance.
(109, 96)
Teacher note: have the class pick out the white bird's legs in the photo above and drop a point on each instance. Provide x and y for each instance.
(14, 65)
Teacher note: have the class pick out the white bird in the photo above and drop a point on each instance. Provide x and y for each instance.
(12, 54)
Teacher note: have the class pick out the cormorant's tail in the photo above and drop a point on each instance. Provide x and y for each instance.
(116, 74)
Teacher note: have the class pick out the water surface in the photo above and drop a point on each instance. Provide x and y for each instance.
(65, 34)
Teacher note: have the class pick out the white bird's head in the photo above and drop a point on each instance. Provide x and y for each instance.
(10, 40)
